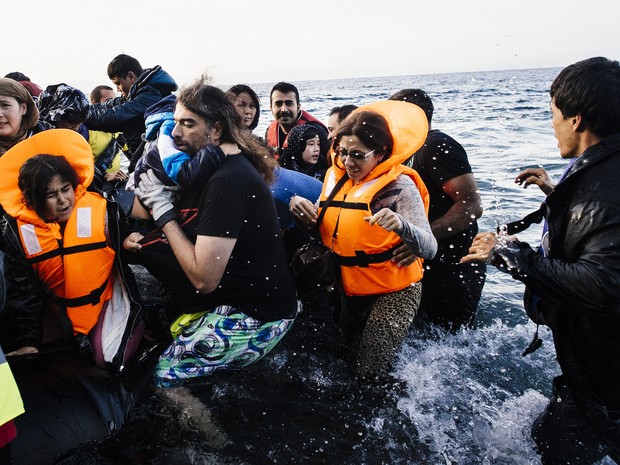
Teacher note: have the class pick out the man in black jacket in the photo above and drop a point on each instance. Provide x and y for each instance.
(577, 279)
(140, 88)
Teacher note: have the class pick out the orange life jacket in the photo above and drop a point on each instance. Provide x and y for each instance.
(363, 251)
(74, 264)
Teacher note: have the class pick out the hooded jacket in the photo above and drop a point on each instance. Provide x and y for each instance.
(292, 157)
(126, 115)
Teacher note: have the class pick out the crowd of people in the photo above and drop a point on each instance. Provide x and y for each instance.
(215, 212)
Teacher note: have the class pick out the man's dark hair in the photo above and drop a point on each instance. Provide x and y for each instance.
(17, 76)
(417, 97)
(121, 65)
(343, 111)
(591, 89)
(285, 88)
(214, 105)
(95, 94)
(35, 176)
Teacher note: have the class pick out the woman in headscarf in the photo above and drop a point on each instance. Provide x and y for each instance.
(305, 151)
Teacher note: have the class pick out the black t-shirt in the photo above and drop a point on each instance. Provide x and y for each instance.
(440, 159)
(235, 203)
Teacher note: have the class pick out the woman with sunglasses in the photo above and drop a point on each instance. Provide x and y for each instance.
(381, 205)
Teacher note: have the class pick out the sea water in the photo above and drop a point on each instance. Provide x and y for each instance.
(467, 398)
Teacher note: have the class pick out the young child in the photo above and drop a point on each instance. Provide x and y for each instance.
(172, 166)
(305, 152)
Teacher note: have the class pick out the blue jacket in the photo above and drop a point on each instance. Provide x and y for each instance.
(171, 166)
(126, 115)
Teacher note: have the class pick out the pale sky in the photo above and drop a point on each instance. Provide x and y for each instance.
(267, 41)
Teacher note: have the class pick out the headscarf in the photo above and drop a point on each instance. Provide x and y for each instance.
(12, 88)
(61, 102)
(292, 155)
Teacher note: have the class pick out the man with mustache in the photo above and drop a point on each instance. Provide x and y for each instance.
(285, 107)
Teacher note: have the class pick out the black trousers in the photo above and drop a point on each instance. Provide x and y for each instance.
(562, 433)
(451, 293)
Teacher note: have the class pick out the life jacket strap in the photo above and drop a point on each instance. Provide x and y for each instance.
(363, 259)
(346, 205)
(91, 298)
(67, 251)
(524, 223)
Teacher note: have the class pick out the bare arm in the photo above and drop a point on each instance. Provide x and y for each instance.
(467, 207)
(203, 263)
(138, 210)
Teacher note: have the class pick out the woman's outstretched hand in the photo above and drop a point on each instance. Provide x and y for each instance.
(387, 219)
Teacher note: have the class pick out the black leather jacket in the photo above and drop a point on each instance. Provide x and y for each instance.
(579, 282)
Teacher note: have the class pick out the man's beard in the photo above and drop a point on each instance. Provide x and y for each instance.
(192, 148)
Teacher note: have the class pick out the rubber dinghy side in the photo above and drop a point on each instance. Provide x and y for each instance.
(70, 401)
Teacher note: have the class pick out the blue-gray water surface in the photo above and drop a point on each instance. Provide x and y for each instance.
(467, 398)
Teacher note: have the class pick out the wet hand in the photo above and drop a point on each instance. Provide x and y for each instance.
(303, 210)
(131, 242)
(403, 256)
(537, 176)
(387, 219)
(481, 249)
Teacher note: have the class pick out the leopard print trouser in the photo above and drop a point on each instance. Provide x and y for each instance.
(383, 322)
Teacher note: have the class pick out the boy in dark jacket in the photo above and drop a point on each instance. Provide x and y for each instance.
(140, 89)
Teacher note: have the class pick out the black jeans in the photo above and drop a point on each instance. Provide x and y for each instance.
(562, 433)
(451, 292)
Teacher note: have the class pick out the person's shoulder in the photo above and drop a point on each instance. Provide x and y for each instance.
(235, 168)
(441, 139)
(402, 181)
(155, 80)
(440, 149)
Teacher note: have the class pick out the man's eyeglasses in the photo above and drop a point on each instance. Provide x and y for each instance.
(357, 156)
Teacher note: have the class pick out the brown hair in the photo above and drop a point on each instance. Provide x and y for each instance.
(12, 88)
(371, 129)
(214, 106)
